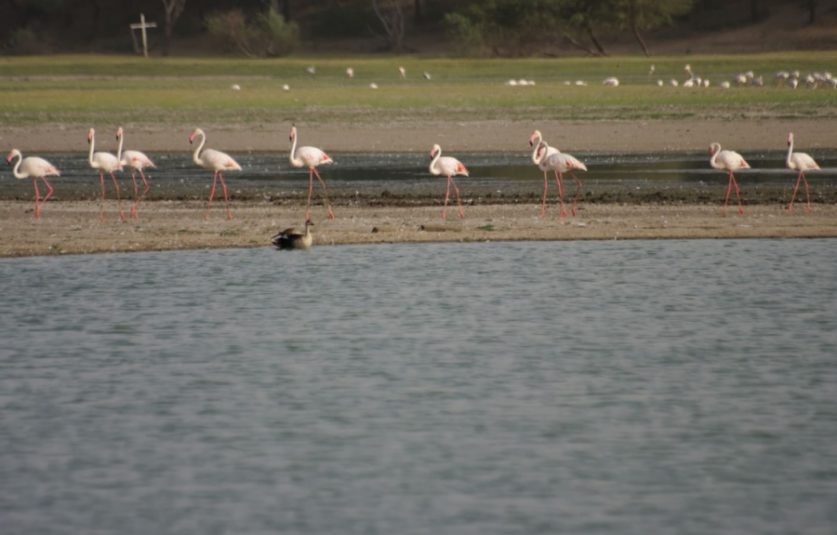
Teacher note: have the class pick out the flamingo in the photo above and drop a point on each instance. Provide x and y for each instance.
(448, 167)
(105, 162)
(136, 161)
(310, 157)
(728, 160)
(799, 161)
(560, 163)
(216, 161)
(535, 140)
(34, 168)
(289, 239)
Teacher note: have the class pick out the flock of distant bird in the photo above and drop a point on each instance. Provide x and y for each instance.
(546, 157)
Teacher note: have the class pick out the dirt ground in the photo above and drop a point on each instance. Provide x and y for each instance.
(72, 227)
(476, 135)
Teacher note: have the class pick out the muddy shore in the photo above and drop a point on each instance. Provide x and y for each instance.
(72, 227)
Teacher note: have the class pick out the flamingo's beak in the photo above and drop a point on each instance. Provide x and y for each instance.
(191, 137)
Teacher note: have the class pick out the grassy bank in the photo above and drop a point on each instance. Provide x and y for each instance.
(88, 89)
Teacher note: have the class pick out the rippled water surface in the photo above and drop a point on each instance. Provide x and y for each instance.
(561, 387)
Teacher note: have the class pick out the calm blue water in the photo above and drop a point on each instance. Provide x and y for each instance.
(556, 387)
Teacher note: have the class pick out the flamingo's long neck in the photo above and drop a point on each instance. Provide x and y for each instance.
(296, 162)
(196, 155)
(713, 161)
(790, 152)
(119, 150)
(535, 159)
(17, 167)
(90, 154)
(434, 161)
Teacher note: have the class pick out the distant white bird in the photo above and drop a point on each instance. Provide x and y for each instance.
(689, 83)
(403, 72)
(449, 167)
(741, 79)
(105, 162)
(673, 83)
(611, 81)
(651, 70)
(235, 87)
(725, 84)
(286, 87)
(373, 85)
(801, 162)
(310, 157)
(660, 83)
(511, 83)
(33, 167)
(730, 161)
(217, 162)
(523, 82)
(793, 83)
(290, 239)
(350, 72)
(312, 70)
(781, 77)
(706, 82)
(135, 161)
(581, 83)
(427, 75)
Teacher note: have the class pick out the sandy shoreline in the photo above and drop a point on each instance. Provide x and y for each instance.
(72, 227)
(665, 135)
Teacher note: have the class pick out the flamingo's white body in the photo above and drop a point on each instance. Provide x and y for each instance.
(33, 167)
(535, 140)
(105, 162)
(728, 160)
(560, 163)
(448, 167)
(799, 161)
(217, 162)
(135, 161)
(310, 157)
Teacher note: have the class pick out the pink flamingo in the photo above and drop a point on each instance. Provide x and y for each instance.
(560, 163)
(34, 168)
(802, 162)
(535, 141)
(728, 160)
(216, 161)
(310, 157)
(136, 161)
(105, 162)
(448, 167)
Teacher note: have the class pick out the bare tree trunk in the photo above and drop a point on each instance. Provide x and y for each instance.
(595, 40)
(392, 19)
(632, 20)
(173, 10)
(579, 45)
(812, 11)
(641, 41)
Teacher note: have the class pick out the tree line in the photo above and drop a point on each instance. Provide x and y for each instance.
(272, 27)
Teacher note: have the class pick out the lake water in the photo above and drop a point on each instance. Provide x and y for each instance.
(553, 387)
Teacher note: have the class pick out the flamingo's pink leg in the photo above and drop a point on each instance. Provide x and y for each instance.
(807, 194)
(545, 188)
(447, 196)
(325, 194)
(102, 197)
(559, 179)
(118, 199)
(37, 199)
(726, 195)
(144, 181)
(211, 194)
(49, 192)
(737, 194)
(578, 187)
(310, 192)
(458, 199)
(226, 195)
(134, 206)
(793, 195)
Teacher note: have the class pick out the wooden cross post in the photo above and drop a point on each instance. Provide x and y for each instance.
(142, 27)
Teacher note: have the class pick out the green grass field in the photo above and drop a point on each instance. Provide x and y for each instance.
(94, 88)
